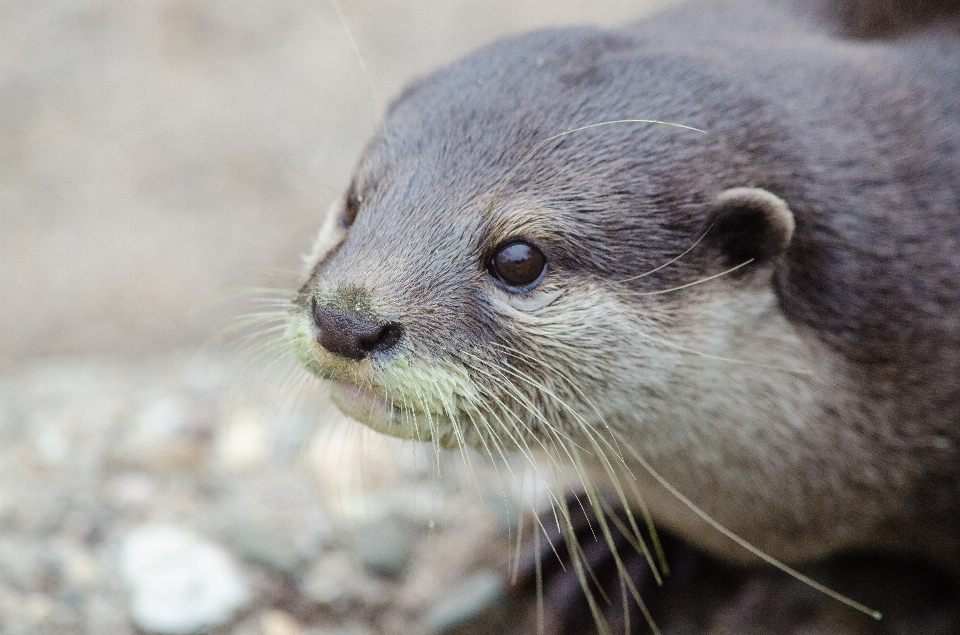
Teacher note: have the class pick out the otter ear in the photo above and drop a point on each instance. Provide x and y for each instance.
(748, 224)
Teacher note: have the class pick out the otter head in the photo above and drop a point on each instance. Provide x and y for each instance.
(504, 272)
(494, 276)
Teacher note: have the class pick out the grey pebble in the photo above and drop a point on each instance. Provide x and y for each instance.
(337, 583)
(477, 607)
(166, 432)
(88, 462)
(36, 508)
(386, 547)
(276, 521)
(105, 617)
(348, 630)
(24, 563)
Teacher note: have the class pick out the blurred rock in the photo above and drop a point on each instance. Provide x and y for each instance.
(37, 507)
(279, 623)
(244, 440)
(105, 617)
(384, 547)
(78, 570)
(24, 563)
(346, 630)
(477, 607)
(168, 432)
(51, 444)
(247, 626)
(335, 582)
(180, 583)
(276, 520)
(132, 489)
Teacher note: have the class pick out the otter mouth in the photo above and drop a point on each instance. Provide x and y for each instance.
(385, 416)
(402, 399)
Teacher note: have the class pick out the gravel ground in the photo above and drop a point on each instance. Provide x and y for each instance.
(171, 497)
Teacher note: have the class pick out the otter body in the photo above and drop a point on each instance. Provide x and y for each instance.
(723, 243)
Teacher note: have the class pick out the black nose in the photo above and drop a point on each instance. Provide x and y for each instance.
(348, 335)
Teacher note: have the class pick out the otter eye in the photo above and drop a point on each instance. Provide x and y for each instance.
(518, 264)
(350, 205)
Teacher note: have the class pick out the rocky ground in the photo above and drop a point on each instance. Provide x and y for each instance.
(169, 496)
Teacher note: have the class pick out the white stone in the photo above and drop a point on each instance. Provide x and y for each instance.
(160, 421)
(79, 569)
(179, 582)
(275, 622)
(244, 440)
(168, 432)
(51, 445)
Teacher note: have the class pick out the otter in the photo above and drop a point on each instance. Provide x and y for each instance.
(712, 260)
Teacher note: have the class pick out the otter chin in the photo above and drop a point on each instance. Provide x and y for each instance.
(708, 260)
(383, 415)
(371, 409)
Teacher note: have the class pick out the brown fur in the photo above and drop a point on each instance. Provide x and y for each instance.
(831, 164)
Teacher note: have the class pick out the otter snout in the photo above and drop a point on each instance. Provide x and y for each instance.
(349, 335)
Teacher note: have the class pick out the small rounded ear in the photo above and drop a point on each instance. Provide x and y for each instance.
(749, 224)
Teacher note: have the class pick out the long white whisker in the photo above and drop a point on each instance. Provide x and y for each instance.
(526, 158)
(695, 282)
(669, 262)
(716, 525)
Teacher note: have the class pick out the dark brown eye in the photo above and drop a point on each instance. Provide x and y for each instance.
(350, 205)
(518, 264)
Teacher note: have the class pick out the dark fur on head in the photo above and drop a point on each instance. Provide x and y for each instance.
(886, 18)
(831, 165)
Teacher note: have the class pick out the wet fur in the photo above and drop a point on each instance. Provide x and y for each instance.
(809, 401)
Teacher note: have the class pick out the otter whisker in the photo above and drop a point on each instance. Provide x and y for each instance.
(525, 450)
(731, 360)
(259, 341)
(377, 113)
(461, 438)
(669, 262)
(636, 539)
(516, 394)
(567, 380)
(707, 518)
(695, 282)
(552, 432)
(524, 400)
(559, 440)
(244, 330)
(585, 575)
(585, 426)
(267, 362)
(720, 358)
(539, 146)
(254, 353)
(501, 451)
(520, 441)
(594, 500)
(615, 481)
(603, 514)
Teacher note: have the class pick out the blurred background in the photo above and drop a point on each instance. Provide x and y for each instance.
(158, 158)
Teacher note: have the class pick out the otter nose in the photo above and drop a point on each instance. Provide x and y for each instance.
(347, 335)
